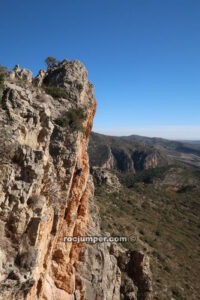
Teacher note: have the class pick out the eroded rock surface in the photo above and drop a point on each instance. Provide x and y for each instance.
(126, 156)
(41, 197)
(45, 187)
(108, 271)
(104, 176)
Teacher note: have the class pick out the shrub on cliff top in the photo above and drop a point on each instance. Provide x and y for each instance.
(50, 61)
(2, 76)
(72, 119)
(56, 92)
(3, 70)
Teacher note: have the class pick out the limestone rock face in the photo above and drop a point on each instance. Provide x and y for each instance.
(104, 176)
(45, 187)
(38, 80)
(21, 74)
(115, 153)
(100, 274)
(137, 278)
(108, 271)
(42, 199)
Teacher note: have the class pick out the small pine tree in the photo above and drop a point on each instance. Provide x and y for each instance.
(50, 61)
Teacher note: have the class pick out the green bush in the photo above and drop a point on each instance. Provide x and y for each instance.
(56, 92)
(50, 61)
(158, 232)
(62, 121)
(2, 77)
(72, 119)
(176, 293)
(3, 71)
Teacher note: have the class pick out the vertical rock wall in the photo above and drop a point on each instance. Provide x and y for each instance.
(42, 198)
(45, 187)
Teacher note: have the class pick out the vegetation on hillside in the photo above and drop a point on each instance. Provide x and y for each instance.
(73, 119)
(56, 92)
(1, 85)
(164, 215)
(3, 70)
(168, 151)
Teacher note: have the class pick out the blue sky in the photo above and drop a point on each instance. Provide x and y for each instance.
(143, 57)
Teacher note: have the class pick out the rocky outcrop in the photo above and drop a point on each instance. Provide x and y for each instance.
(21, 74)
(108, 271)
(123, 155)
(45, 187)
(105, 177)
(100, 274)
(42, 199)
(145, 161)
(136, 283)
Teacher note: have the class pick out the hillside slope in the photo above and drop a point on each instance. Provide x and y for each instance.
(134, 153)
(159, 204)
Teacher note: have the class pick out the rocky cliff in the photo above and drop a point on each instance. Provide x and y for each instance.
(45, 126)
(123, 154)
(46, 193)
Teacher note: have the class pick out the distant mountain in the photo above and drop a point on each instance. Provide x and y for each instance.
(191, 142)
(132, 153)
(150, 187)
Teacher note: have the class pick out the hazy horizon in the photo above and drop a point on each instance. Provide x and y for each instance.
(166, 132)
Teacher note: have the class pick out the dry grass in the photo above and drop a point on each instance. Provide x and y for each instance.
(167, 224)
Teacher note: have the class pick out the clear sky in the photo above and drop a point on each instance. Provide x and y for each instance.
(143, 57)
